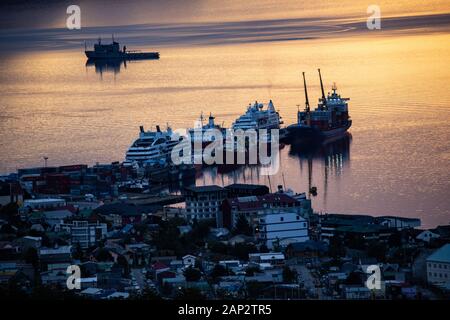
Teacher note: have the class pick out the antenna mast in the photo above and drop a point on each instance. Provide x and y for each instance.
(306, 92)
(324, 101)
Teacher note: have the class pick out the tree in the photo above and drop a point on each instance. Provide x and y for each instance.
(241, 250)
(31, 256)
(289, 275)
(242, 226)
(354, 278)
(377, 250)
(218, 247)
(336, 248)
(250, 271)
(78, 252)
(10, 210)
(192, 274)
(122, 261)
(103, 255)
(219, 271)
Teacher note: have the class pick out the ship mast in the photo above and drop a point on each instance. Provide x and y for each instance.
(324, 101)
(306, 93)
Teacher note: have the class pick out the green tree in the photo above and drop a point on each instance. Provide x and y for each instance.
(192, 274)
(289, 275)
(250, 271)
(218, 247)
(241, 250)
(242, 226)
(377, 250)
(219, 271)
(336, 248)
(78, 252)
(103, 255)
(31, 256)
(122, 261)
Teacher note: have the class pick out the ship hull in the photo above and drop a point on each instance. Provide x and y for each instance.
(297, 132)
(122, 56)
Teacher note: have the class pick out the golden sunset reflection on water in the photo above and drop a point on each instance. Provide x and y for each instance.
(396, 162)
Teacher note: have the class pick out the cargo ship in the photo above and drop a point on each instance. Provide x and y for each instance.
(329, 119)
(113, 51)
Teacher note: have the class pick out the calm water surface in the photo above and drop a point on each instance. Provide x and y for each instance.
(396, 160)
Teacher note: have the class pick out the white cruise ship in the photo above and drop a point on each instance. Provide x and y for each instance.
(152, 147)
(257, 118)
(199, 134)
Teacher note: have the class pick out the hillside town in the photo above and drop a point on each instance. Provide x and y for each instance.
(239, 241)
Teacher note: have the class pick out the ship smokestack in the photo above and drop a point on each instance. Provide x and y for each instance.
(141, 128)
(211, 120)
(158, 129)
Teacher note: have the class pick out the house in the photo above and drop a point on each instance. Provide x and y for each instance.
(184, 229)
(189, 260)
(118, 295)
(164, 275)
(177, 281)
(204, 203)
(88, 282)
(9, 250)
(56, 274)
(399, 223)
(275, 258)
(244, 190)
(109, 276)
(43, 204)
(55, 255)
(126, 213)
(159, 267)
(427, 236)
(280, 228)
(93, 293)
(138, 253)
(309, 248)
(31, 242)
(443, 232)
(55, 217)
(252, 207)
(240, 238)
(368, 232)
(330, 222)
(16, 270)
(84, 233)
(438, 267)
(356, 292)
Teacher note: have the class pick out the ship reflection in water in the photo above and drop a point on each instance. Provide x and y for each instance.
(332, 155)
(106, 65)
(303, 166)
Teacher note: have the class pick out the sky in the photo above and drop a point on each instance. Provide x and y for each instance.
(52, 13)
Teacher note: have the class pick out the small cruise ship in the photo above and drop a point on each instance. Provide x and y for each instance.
(256, 117)
(197, 134)
(152, 147)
